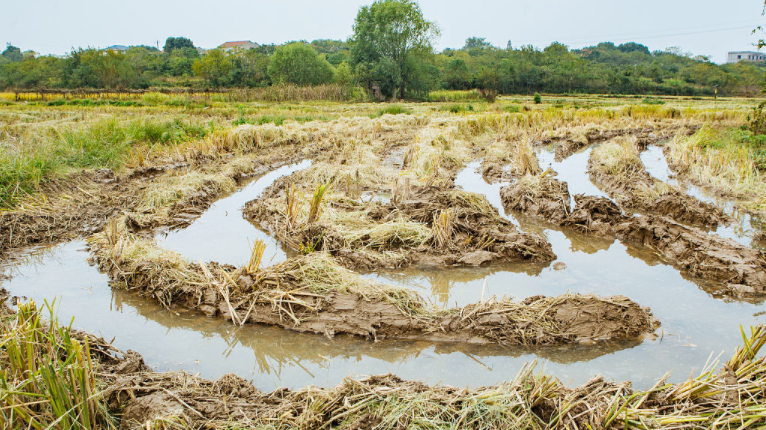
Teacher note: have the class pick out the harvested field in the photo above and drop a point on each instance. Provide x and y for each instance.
(426, 226)
(616, 167)
(365, 243)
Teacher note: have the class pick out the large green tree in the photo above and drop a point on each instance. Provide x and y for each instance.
(173, 43)
(392, 41)
(298, 63)
(214, 67)
(12, 53)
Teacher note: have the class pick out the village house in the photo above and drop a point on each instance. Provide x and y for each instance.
(243, 44)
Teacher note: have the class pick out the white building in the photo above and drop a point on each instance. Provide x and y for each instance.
(737, 56)
(243, 44)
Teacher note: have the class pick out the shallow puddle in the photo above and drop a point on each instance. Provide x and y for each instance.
(221, 234)
(471, 180)
(573, 170)
(741, 229)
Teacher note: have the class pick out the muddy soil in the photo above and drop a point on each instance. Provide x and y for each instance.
(740, 270)
(282, 296)
(629, 192)
(478, 234)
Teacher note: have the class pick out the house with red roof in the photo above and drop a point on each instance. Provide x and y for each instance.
(242, 44)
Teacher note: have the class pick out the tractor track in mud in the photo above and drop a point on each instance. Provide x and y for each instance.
(740, 270)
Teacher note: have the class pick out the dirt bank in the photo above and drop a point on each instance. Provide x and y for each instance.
(426, 225)
(740, 270)
(313, 294)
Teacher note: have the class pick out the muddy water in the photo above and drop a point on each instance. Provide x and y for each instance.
(466, 179)
(221, 234)
(272, 357)
(742, 229)
(572, 170)
(694, 323)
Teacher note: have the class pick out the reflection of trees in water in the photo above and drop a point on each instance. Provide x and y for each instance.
(588, 244)
(276, 349)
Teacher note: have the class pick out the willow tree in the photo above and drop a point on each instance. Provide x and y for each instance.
(390, 43)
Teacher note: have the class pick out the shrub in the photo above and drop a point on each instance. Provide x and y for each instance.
(537, 98)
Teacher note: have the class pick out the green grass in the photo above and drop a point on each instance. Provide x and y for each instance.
(46, 378)
(45, 153)
(391, 110)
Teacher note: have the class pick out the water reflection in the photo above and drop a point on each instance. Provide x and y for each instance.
(573, 170)
(221, 234)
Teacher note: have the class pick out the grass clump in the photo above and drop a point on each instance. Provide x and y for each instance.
(47, 379)
(617, 157)
(732, 161)
(392, 110)
(524, 159)
(315, 205)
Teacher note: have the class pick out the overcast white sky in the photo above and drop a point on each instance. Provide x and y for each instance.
(701, 26)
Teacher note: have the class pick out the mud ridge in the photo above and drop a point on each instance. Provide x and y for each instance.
(636, 189)
(740, 270)
(476, 233)
(313, 294)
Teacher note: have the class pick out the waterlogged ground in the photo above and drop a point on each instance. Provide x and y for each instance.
(741, 230)
(694, 324)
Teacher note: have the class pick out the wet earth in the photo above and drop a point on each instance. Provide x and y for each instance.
(695, 323)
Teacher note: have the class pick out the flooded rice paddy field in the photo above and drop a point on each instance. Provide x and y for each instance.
(696, 324)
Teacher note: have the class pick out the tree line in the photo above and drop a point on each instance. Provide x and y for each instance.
(391, 50)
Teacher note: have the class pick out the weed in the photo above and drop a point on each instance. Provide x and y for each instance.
(316, 201)
(392, 110)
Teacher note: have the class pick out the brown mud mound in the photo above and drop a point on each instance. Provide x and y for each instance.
(740, 270)
(313, 294)
(616, 168)
(639, 191)
(428, 226)
(539, 197)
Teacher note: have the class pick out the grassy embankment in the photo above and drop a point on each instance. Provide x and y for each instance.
(731, 161)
